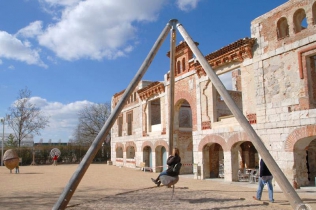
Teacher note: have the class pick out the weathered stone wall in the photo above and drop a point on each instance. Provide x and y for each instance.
(249, 90)
(186, 151)
(281, 78)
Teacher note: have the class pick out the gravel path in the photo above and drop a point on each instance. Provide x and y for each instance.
(111, 187)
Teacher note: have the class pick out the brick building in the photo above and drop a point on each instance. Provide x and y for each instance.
(272, 80)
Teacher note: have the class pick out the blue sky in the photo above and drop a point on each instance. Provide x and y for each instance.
(71, 53)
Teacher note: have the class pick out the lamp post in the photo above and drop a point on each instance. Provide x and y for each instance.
(33, 162)
(3, 122)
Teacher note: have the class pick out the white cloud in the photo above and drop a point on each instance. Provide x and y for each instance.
(32, 30)
(98, 29)
(61, 2)
(11, 67)
(63, 118)
(52, 59)
(187, 5)
(13, 48)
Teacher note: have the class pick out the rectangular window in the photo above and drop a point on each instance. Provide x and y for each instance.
(129, 123)
(155, 112)
(312, 81)
(232, 83)
(120, 125)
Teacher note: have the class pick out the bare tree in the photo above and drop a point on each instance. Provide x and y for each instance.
(91, 120)
(25, 117)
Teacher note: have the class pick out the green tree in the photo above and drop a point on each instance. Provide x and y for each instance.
(11, 142)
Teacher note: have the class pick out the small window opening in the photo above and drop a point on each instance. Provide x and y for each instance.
(282, 28)
(299, 20)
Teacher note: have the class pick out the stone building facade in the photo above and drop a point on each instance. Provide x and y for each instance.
(272, 80)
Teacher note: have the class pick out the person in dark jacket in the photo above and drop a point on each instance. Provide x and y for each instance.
(171, 162)
(265, 178)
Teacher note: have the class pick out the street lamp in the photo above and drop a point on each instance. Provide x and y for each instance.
(3, 122)
(33, 162)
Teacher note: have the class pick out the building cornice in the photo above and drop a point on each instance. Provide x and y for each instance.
(150, 90)
(235, 52)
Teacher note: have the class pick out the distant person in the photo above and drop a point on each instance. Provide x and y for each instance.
(171, 162)
(265, 178)
(55, 160)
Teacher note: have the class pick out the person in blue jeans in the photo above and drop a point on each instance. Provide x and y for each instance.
(171, 162)
(264, 179)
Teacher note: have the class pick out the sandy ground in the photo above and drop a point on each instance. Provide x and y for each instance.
(112, 187)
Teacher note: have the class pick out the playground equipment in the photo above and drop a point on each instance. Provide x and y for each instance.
(11, 159)
(279, 176)
(54, 152)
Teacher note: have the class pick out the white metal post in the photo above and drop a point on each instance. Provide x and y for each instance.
(173, 22)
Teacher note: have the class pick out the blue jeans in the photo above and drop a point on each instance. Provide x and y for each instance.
(261, 186)
(163, 173)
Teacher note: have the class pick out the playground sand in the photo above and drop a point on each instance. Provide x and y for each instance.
(111, 187)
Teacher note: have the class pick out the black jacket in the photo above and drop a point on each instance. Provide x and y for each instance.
(264, 171)
(171, 161)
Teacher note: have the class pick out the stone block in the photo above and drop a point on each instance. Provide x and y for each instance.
(312, 38)
(306, 121)
(287, 47)
(274, 118)
(279, 50)
(295, 45)
(271, 53)
(312, 113)
(304, 41)
(281, 124)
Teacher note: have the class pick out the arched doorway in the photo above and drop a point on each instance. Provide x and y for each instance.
(305, 161)
(147, 156)
(213, 160)
(161, 158)
(243, 156)
(183, 134)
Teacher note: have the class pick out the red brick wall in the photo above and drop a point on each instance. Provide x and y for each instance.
(270, 19)
(182, 91)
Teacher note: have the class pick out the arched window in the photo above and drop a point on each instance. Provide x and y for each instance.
(299, 20)
(178, 67)
(282, 28)
(130, 152)
(119, 152)
(314, 13)
(183, 64)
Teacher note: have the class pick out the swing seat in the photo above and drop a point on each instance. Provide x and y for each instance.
(169, 180)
